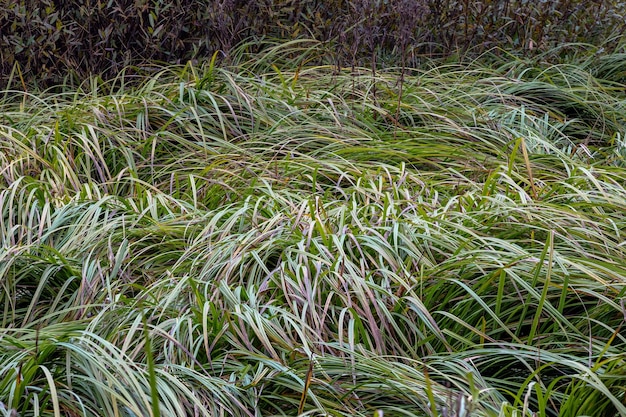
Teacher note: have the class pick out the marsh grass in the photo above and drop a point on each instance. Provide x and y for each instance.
(267, 239)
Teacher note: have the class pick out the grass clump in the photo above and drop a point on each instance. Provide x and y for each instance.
(263, 239)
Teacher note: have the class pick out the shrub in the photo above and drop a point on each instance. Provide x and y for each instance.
(50, 41)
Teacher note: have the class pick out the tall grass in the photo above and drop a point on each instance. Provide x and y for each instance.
(269, 239)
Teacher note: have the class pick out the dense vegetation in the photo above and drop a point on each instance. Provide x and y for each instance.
(273, 237)
(47, 42)
(398, 208)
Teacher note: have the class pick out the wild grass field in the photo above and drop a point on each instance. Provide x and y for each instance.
(270, 237)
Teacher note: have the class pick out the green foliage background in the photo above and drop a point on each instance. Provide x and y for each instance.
(52, 41)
